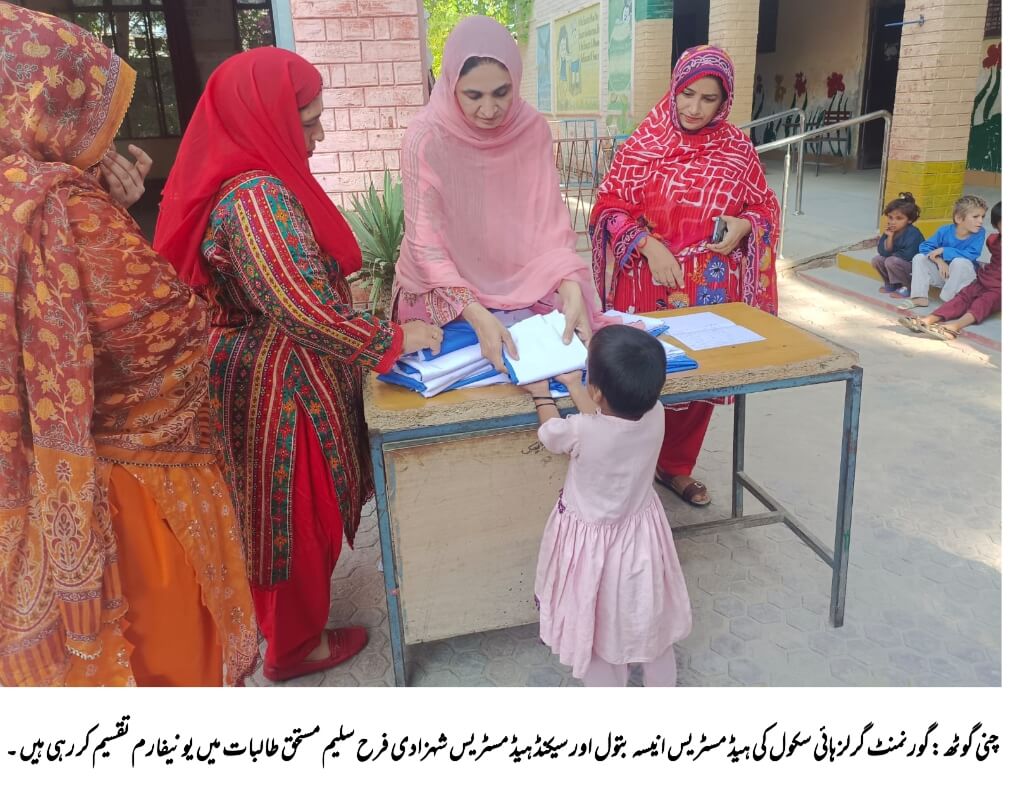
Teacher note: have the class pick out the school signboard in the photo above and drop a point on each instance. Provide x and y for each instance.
(576, 61)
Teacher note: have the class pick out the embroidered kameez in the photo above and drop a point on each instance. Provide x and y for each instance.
(287, 356)
(120, 558)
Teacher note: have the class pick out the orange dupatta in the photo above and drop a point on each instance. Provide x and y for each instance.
(101, 362)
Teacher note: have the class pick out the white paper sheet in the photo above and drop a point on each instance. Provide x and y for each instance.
(713, 337)
(690, 323)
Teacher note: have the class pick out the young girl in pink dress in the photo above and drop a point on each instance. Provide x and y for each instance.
(608, 585)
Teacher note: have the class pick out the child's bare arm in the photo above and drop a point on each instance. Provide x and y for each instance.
(544, 403)
(574, 382)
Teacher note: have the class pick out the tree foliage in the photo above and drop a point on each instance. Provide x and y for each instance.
(444, 14)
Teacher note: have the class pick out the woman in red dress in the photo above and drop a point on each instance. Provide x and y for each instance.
(683, 167)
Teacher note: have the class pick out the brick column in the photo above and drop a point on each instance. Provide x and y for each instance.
(939, 63)
(370, 54)
(734, 25)
(651, 63)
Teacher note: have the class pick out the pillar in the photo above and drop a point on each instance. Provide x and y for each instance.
(734, 26)
(651, 55)
(938, 68)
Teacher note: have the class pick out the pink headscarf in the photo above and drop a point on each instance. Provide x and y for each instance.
(482, 208)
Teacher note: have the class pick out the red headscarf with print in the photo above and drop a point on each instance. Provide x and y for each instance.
(674, 182)
(247, 120)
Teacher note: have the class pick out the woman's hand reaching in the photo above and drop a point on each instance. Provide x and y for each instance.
(492, 335)
(420, 335)
(574, 308)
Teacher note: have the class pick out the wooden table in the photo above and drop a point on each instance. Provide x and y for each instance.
(463, 487)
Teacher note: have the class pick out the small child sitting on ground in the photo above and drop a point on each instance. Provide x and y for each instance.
(974, 303)
(898, 246)
(608, 583)
(947, 259)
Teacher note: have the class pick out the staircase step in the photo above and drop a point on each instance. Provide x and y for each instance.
(858, 262)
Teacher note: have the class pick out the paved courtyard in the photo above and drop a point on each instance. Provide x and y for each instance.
(924, 591)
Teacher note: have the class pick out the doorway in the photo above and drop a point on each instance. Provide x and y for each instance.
(882, 68)
(690, 26)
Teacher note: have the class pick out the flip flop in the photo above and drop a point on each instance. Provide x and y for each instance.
(913, 324)
(941, 332)
(688, 493)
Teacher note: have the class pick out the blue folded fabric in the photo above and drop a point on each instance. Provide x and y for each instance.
(681, 363)
(456, 335)
(509, 368)
(395, 378)
(473, 379)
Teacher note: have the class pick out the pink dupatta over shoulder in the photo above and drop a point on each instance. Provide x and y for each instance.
(482, 208)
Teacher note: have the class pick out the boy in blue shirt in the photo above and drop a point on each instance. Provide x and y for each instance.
(947, 259)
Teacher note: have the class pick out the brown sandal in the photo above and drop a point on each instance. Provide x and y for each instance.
(913, 324)
(688, 494)
(941, 332)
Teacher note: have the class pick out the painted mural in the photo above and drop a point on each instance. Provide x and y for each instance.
(620, 58)
(576, 61)
(544, 61)
(984, 152)
(772, 98)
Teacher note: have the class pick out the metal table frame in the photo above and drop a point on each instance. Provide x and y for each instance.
(837, 557)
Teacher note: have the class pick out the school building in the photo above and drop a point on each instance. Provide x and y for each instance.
(935, 64)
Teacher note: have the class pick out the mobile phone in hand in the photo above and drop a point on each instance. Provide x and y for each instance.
(719, 230)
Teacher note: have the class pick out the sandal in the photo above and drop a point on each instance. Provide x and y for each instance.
(913, 324)
(688, 494)
(344, 643)
(941, 332)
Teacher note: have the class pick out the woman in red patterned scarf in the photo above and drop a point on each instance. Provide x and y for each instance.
(683, 167)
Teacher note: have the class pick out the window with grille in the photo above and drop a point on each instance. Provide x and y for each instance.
(136, 31)
(992, 24)
(254, 22)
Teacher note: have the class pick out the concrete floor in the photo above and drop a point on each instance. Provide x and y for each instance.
(924, 592)
(839, 209)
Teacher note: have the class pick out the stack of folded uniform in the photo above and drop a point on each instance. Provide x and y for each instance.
(538, 338)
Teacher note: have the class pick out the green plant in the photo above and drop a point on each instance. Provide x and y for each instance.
(378, 223)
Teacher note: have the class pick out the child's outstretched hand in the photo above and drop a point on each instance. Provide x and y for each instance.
(569, 379)
(537, 389)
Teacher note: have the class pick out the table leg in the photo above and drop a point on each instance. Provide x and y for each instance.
(738, 457)
(845, 496)
(389, 570)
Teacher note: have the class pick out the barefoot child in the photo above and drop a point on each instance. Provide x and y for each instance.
(898, 246)
(608, 584)
(974, 303)
(946, 259)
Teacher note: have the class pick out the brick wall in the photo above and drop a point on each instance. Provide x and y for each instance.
(939, 65)
(734, 25)
(370, 53)
(651, 64)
